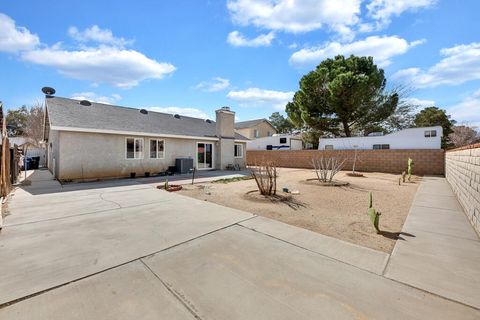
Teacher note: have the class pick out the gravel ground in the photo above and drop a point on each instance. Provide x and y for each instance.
(338, 212)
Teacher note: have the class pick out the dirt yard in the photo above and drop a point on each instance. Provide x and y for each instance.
(338, 212)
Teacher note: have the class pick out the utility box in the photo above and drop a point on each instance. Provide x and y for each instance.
(183, 165)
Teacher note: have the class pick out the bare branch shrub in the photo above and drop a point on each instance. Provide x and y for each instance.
(265, 175)
(327, 168)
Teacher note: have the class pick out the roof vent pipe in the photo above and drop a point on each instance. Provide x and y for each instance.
(85, 103)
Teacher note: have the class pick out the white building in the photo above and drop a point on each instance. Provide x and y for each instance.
(412, 138)
(276, 142)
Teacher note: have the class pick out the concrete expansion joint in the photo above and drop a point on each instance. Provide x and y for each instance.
(179, 296)
(312, 251)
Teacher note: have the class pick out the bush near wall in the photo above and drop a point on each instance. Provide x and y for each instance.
(462, 170)
(426, 161)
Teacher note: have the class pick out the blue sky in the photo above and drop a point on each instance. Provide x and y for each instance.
(194, 56)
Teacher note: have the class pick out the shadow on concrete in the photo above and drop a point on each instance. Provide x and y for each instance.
(395, 235)
(42, 182)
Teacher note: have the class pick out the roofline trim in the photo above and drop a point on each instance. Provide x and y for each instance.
(131, 133)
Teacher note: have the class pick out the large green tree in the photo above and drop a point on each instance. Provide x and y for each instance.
(17, 121)
(281, 124)
(342, 94)
(433, 116)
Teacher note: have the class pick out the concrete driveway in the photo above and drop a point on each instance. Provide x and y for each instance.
(126, 250)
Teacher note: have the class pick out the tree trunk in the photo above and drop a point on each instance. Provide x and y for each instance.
(346, 128)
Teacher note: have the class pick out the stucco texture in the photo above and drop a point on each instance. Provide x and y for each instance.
(95, 156)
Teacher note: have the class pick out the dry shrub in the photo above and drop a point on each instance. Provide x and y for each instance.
(265, 175)
(327, 168)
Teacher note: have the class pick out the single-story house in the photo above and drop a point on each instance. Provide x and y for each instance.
(88, 140)
(254, 129)
(411, 138)
(276, 142)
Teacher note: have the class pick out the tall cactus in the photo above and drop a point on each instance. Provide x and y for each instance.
(372, 213)
(409, 168)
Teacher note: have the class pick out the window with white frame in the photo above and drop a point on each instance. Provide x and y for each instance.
(134, 148)
(329, 147)
(430, 133)
(157, 149)
(238, 151)
(256, 133)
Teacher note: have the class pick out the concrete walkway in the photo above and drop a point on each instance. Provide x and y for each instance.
(444, 255)
(115, 250)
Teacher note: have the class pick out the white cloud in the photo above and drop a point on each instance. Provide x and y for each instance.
(216, 84)
(422, 103)
(96, 34)
(114, 66)
(14, 38)
(188, 112)
(295, 15)
(382, 48)
(92, 96)
(383, 10)
(237, 39)
(468, 110)
(460, 64)
(260, 97)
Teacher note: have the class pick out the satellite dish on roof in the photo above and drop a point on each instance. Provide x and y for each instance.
(85, 103)
(208, 121)
(143, 111)
(176, 116)
(48, 91)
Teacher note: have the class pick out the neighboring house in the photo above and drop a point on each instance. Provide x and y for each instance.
(88, 140)
(32, 150)
(412, 138)
(254, 129)
(276, 142)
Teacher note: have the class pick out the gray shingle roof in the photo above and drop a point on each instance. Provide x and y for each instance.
(64, 112)
(249, 123)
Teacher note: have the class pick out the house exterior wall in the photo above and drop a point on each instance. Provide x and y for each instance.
(81, 155)
(462, 170)
(53, 152)
(413, 138)
(292, 143)
(427, 161)
(263, 129)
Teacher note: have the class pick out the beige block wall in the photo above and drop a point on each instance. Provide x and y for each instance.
(263, 129)
(95, 156)
(462, 170)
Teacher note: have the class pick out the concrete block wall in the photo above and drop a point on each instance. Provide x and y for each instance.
(426, 161)
(462, 170)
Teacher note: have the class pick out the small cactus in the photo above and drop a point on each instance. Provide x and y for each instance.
(372, 213)
(409, 168)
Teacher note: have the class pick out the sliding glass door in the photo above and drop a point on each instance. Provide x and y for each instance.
(204, 155)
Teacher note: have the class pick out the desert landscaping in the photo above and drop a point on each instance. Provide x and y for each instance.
(336, 211)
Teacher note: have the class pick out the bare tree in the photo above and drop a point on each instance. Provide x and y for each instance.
(464, 135)
(265, 175)
(34, 124)
(327, 168)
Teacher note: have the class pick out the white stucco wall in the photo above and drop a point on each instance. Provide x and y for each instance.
(93, 155)
(262, 143)
(413, 138)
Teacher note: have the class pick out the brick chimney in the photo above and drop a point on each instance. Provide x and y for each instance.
(225, 131)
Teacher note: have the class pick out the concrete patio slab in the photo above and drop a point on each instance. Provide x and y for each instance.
(361, 257)
(237, 273)
(42, 255)
(445, 202)
(444, 256)
(139, 295)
